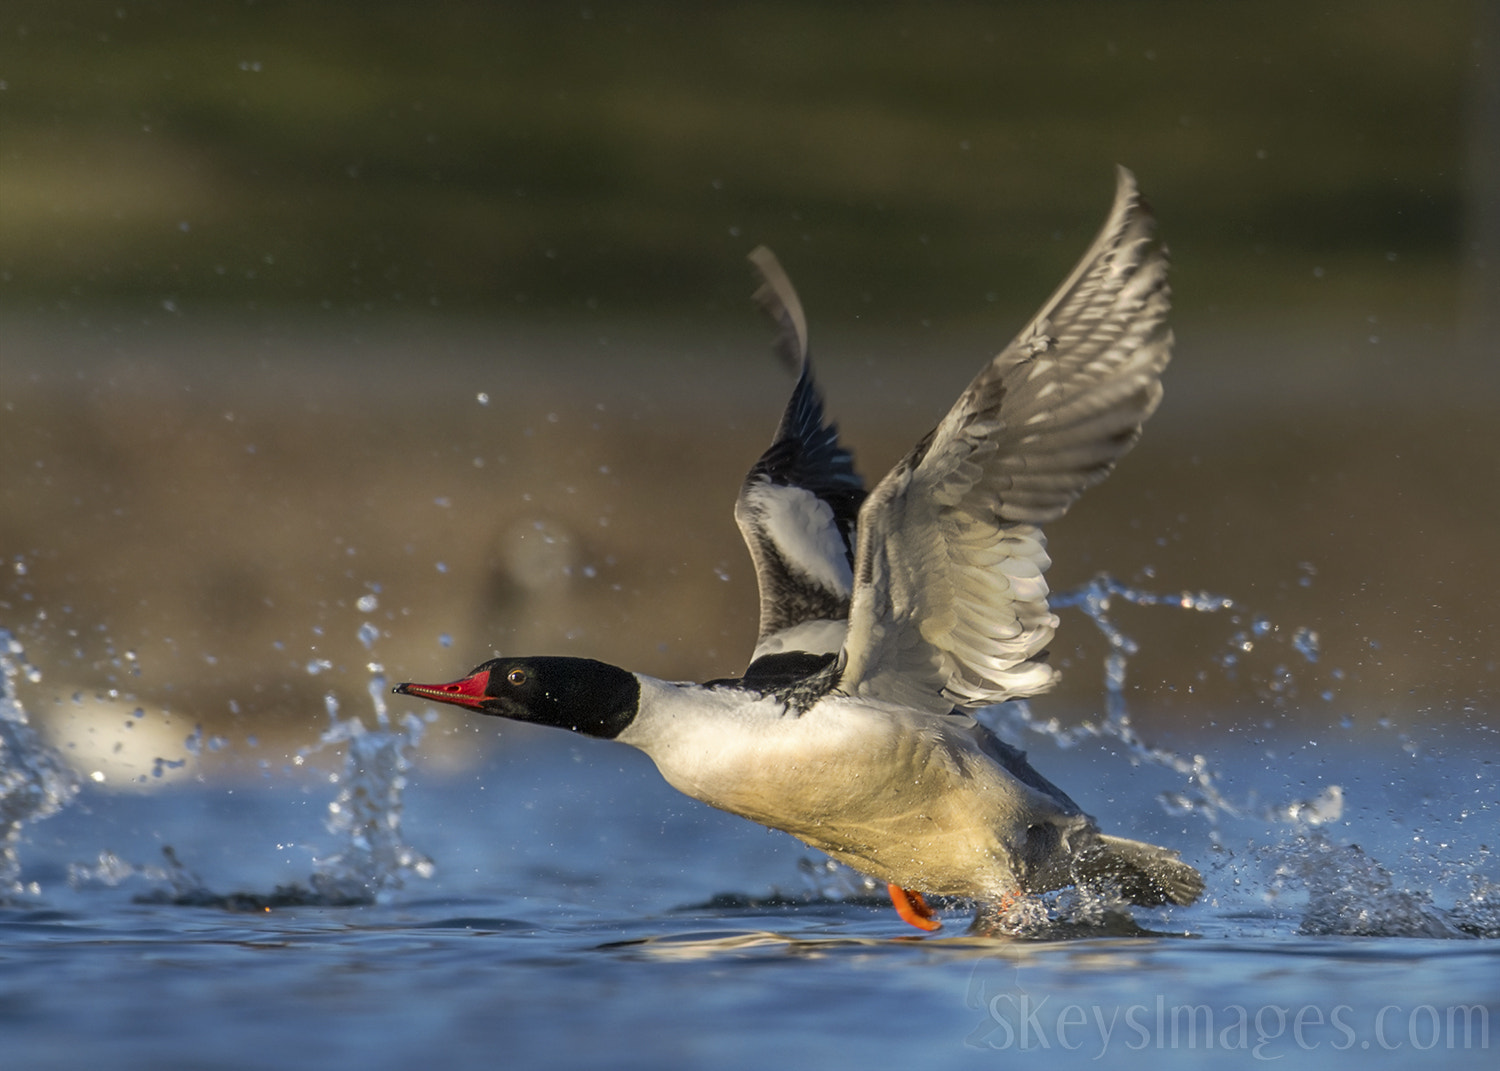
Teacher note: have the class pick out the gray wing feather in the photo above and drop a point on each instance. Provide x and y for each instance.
(778, 299)
(950, 603)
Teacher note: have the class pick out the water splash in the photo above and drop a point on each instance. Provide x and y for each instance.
(1351, 894)
(1478, 914)
(1096, 599)
(1061, 913)
(825, 879)
(374, 860)
(1202, 794)
(1327, 806)
(35, 782)
(1079, 911)
(371, 860)
(111, 870)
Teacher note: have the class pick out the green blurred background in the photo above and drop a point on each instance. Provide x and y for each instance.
(259, 260)
(566, 160)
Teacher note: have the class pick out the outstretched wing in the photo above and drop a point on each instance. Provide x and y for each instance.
(950, 604)
(799, 503)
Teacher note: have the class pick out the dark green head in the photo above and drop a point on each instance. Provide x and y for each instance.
(570, 693)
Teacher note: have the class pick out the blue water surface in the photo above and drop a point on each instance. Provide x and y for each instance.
(581, 913)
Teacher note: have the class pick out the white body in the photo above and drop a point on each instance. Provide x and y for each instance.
(900, 795)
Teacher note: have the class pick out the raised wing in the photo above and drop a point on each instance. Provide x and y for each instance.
(798, 505)
(950, 604)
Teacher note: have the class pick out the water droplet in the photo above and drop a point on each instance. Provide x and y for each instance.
(367, 604)
(1305, 640)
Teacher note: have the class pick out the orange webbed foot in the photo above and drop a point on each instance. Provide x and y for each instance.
(913, 908)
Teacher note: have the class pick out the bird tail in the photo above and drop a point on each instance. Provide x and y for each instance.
(1146, 875)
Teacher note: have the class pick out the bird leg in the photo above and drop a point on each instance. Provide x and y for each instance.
(912, 908)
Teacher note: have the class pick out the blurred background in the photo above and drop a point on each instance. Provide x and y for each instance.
(348, 333)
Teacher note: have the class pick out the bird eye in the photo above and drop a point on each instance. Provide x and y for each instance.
(516, 676)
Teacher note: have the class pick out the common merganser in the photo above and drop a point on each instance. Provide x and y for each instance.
(886, 620)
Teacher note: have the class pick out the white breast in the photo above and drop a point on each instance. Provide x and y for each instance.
(900, 796)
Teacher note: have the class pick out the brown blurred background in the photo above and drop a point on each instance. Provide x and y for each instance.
(259, 263)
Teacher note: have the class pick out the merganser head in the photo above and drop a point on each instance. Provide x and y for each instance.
(580, 694)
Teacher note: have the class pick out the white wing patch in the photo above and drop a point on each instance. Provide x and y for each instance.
(814, 637)
(801, 527)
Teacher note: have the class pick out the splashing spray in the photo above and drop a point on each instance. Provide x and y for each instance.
(35, 782)
(366, 815)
